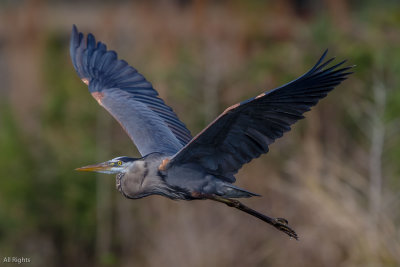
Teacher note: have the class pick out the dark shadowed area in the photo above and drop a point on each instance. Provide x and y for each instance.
(335, 176)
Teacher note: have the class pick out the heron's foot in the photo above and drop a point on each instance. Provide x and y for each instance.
(282, 225)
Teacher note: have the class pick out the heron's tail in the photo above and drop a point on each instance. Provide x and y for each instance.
(231, 191)
(279, 223)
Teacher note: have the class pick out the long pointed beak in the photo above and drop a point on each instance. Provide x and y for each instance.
(101, 167)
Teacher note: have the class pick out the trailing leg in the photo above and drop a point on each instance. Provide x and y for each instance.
(279, 223)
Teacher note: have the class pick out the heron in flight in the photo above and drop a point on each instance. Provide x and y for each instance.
(174, 164)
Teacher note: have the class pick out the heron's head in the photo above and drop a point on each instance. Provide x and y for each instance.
(116, 165)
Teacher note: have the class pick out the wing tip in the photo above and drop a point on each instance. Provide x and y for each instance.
(325, 53)
(323, 66)
(74, 37)
(320, 63)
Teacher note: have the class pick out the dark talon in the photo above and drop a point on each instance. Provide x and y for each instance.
(281, 225)
(282, 220)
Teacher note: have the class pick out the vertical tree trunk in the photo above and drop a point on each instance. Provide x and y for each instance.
(103, 191)
(126, 227)
(211, 79)
(377, 142)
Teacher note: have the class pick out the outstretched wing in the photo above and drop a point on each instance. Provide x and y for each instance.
(245, 130)
(128, 96)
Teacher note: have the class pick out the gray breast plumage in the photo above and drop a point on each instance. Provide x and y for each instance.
(142, 178)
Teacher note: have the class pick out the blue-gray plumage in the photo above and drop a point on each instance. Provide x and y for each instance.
(128, 96)
(174, 164)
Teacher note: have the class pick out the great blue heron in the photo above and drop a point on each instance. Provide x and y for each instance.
(175, 165)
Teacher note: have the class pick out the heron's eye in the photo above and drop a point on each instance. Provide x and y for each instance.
(119, 163)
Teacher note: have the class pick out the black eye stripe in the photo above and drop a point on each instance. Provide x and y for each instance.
(125, 159)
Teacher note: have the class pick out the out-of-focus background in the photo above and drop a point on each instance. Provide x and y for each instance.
(335, 176)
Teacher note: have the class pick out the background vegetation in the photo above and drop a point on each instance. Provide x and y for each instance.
(335, 176)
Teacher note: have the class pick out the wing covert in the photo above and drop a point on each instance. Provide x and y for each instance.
(128, 96)
(244, 131)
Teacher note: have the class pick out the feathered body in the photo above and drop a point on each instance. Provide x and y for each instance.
(143, 177)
